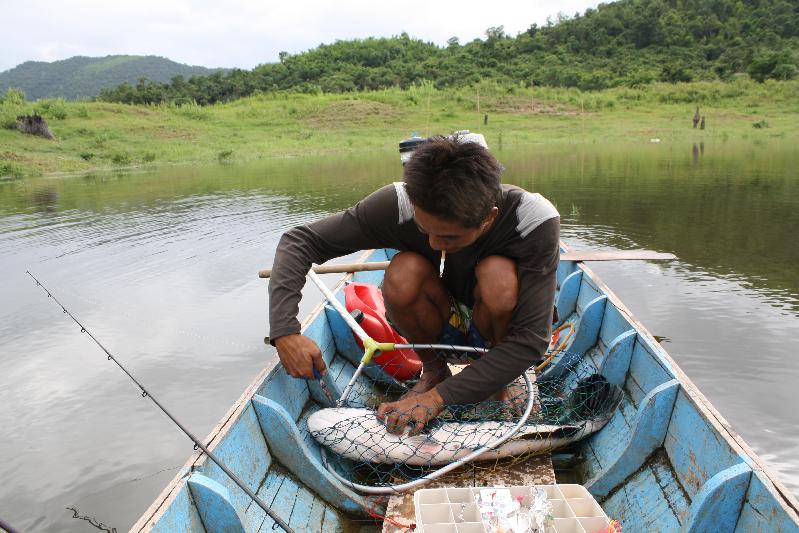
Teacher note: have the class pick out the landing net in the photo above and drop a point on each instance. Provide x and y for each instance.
(570, 402)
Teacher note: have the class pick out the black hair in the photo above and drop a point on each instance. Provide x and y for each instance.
(458, 181)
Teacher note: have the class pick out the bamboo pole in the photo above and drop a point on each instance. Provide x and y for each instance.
(586, 255)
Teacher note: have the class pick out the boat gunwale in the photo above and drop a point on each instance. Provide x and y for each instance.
(787, 501)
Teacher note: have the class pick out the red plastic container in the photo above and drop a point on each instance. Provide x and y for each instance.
(401, 364)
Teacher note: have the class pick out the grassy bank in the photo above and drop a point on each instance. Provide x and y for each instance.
(94, 135)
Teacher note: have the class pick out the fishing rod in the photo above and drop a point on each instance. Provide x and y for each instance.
(5, 527)
(145, 394)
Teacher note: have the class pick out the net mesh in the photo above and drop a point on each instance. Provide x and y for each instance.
(568, 405)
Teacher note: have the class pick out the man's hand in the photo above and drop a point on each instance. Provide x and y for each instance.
(300, 355)
(415, 410)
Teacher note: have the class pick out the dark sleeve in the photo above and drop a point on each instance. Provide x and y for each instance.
(371, 223)
(529, 330)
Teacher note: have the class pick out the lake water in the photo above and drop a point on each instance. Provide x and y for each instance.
(162, 268)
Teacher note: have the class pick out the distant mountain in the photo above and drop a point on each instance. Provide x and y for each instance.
(84, 77)
(623, 43)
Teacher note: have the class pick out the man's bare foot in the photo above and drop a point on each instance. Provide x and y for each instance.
(432, 375)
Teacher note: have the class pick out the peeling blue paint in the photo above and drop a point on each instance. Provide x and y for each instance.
(645, 435)
(213, 502)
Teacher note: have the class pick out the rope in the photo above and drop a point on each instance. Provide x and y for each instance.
(93, 521)
(390, 520)
(560, 347)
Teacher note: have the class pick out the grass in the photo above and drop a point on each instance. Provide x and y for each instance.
(96, 135)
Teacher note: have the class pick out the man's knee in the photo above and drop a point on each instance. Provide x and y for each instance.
(405, 278)
(497, 284)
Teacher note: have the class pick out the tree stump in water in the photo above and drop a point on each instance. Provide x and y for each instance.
(34, 125)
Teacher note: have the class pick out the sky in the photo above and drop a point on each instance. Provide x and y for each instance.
(246, 33)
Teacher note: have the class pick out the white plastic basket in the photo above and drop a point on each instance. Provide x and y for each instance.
(574, 510)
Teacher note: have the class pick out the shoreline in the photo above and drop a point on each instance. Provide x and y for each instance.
(99, 136)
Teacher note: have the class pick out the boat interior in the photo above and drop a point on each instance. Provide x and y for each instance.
(666, 460)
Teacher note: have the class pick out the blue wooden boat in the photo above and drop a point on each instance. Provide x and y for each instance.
(666, 461)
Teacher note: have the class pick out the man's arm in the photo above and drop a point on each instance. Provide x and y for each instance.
(529, 330)
(369, 224)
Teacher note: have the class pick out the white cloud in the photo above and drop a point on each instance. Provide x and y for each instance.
(245, 33)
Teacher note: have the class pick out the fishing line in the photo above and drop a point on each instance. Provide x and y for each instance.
(146, 476)
(136, 318)
(145, 394)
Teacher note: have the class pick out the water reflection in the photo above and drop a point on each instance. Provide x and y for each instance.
(45, 199)
(162, 266)
(697, 151)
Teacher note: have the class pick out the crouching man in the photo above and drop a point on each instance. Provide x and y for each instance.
(500, 248)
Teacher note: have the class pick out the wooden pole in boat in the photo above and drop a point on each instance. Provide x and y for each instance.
(145, 393)
(585, 255)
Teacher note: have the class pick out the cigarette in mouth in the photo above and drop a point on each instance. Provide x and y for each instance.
(441, 265)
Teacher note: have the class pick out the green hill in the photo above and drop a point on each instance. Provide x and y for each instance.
(84, 77)
(625, 43)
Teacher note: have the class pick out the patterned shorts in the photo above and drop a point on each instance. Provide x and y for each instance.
(460, 330)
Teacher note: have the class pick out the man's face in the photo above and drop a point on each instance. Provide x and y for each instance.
(446, 235)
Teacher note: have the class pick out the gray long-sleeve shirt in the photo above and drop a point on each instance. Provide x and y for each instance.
(526, 229)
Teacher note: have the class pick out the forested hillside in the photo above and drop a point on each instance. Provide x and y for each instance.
(85, 77)
(629, 42)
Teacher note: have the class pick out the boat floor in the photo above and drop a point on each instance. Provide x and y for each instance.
(532, 470)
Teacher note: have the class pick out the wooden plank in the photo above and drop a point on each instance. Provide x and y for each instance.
(283, 502)
(579, 255)
(649, 500)
(332, 521)
(301, 513)
(531, 470)
(254, 516)
(616, 255)
(316, 517)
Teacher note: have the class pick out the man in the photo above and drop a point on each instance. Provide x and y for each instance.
(498, 284)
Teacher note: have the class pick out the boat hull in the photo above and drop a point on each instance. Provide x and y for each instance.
(665, 461)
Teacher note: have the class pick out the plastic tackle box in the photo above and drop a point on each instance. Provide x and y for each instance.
(454, 510)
